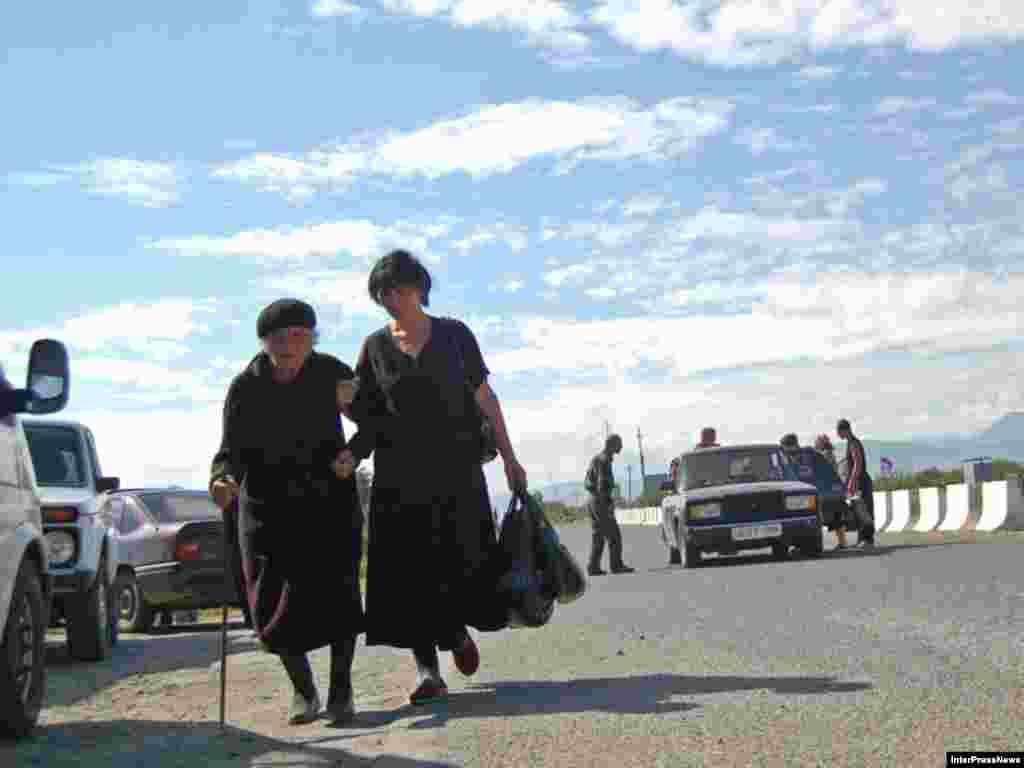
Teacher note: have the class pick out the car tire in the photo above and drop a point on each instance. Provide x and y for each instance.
(675, 557)
(88, 621)
(780, 551)
(693, 556)
(23, 686)
(132, 609)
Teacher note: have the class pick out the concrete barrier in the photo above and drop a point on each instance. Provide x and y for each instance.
(883, 510)
(930, 504)
(1002, 507)
(957, 508)
(900, 501)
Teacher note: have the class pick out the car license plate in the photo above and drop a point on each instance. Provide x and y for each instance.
(747, 532)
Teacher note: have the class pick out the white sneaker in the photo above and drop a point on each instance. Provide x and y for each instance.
(303, 710)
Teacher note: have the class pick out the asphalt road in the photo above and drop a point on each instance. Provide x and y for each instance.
(887, 658)
(884, 658)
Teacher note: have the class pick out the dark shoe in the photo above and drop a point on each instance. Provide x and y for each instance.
(303, 710)
(344, 713)
(623, 569)
(595, 572)
(428, 691)
(467, 658)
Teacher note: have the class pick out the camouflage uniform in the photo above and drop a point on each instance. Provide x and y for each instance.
(601, 505)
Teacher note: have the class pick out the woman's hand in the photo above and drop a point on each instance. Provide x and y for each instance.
(515, 474)
(224, 491)
(344, 464)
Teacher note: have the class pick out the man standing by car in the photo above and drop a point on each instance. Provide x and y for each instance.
(599, 484)
(859, 482)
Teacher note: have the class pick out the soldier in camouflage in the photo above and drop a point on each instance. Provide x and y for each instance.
(600, 483)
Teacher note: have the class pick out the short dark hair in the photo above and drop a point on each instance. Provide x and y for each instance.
(399, 269)
(842, 425)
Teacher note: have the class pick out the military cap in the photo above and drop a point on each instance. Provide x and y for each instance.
(285, 313)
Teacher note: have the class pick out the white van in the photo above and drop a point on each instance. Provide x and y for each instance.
(25, 587)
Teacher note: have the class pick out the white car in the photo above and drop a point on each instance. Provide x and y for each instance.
(25, 586)
(82, 542)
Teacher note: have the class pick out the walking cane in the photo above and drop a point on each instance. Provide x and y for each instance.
(229, 586)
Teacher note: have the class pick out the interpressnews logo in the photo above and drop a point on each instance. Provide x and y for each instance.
(984, 758)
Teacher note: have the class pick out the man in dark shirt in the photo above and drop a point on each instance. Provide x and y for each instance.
(859, 482)
(600, 484)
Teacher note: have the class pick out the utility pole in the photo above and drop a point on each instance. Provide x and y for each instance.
(643, 471)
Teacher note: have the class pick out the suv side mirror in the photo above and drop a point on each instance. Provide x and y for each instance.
(104, 484)
(49, 377)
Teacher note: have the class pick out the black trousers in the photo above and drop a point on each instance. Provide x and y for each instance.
(233, 554)
(604, 526)
(867, 491)
(301, 673)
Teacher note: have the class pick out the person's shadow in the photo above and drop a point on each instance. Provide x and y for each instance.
(642, 694)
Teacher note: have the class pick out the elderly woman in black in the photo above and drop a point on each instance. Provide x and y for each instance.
(433, 565)
(299, 515)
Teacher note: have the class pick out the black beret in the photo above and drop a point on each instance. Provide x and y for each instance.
(285, 313)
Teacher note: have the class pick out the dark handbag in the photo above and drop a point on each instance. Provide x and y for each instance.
(487, 437)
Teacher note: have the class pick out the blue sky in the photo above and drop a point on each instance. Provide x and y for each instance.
(757, 215)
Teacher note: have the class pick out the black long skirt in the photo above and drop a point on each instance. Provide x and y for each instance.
(300, 559)
(433, 559)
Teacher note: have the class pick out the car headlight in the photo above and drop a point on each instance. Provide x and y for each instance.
(804, 503)
(60, 547)
(703, 511)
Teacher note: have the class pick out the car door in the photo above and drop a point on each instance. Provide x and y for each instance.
(13, 502)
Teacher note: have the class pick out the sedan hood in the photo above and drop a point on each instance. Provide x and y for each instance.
(714, 492)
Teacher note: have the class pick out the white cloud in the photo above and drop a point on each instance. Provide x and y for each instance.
(853, 314)
(514, 238)
(322, 9)
(644, 205)
(362, 239)
(990, 96)
(1010, 127)
(545, 23)
(712, 222)
(499, 139)
(747, 32)
(817, 73)
(344, 290)
(160, 327)
(137, 182)
(761, 140)
(572, 274)
(894, 105)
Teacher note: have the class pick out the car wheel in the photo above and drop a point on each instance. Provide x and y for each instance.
(88, 622)
(693, 556)
(675, 557)
(780, 551)
(22, 655)
(133, 611)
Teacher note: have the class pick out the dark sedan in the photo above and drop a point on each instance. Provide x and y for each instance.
(171, 546)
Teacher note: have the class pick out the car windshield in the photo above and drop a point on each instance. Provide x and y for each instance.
(732, 466)
(56, 455)
(180, 508)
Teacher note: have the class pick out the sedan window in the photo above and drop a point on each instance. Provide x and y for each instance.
(180, 508)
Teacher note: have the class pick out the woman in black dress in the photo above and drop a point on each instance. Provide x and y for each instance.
(299, 515)
(433, 562)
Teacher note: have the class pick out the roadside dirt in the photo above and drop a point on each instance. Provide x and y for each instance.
(155, 703)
